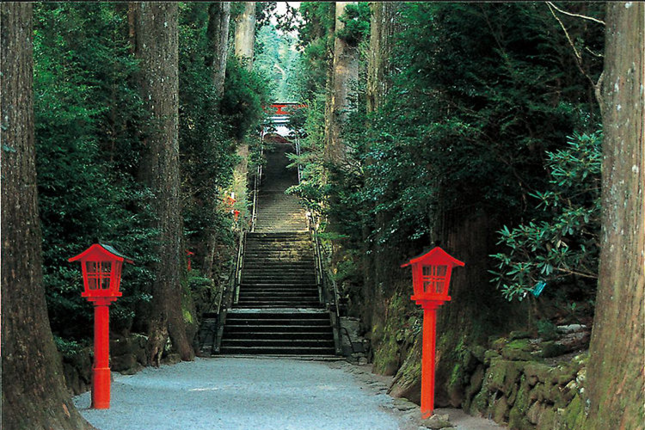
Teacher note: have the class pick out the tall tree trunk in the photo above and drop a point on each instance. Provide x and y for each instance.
(383, 26)
(244, 51)
(245, 34)
(156, 46)
(344, 76)
(219, 16)
(617, 354)
(34, 394)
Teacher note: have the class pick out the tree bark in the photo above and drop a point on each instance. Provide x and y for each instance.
(379, 262)
(157, 47)
(344, 75)
(34, 394)
(219, 16)
(617, 354)
(245, 35)
(382, 29)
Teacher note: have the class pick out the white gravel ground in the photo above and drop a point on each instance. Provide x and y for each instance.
(239, 393)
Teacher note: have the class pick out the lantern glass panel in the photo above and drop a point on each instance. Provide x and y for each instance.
(117, 276)
(98, 275)
(434, 279)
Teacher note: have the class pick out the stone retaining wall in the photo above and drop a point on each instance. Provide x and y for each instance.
(521, 382)
(127, 356)
(527, 395)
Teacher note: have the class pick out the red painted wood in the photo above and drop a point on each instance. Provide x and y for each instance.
(428, 360)
(431, 281)
(101, 368)
(101, 267)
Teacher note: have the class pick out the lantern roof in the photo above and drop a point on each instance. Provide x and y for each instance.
(436, 256)
(101, 251)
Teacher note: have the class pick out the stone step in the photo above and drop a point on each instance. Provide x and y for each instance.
(278, 321)
(234, 328)
(280, 336)
(277, 303)
(276, 236)
(282, 292)
(254, 342)
(272, 350)
(286, 285)
(279, 270)
(279, 251)
(278, 279)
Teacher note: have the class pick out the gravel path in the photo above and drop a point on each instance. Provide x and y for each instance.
(240, 393)
(235, 393)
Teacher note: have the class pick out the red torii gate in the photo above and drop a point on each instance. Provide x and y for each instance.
(283, 108)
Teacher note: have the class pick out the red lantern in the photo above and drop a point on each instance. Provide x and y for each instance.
(188, 255)
(431, 281)
(230, 200)
(431, 275)
(101, 265)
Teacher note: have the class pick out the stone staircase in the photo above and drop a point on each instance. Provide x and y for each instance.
(278, 311)
(278, 271)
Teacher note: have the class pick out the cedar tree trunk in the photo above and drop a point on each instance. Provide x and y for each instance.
(615, 378)
(34, 394)
(344, 75)
(245, 34)
(156, 46)
(383, 26)
(219, 16)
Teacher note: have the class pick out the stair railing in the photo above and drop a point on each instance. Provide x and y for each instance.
(327, 287)
(256, 186)
(298, 154)
(231, 292)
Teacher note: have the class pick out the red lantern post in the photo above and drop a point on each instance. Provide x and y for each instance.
(101, 265)
(189, 254)
(431, 281)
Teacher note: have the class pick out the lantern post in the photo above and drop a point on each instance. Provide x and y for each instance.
(189, 254)
(101, 266)
(431, 281)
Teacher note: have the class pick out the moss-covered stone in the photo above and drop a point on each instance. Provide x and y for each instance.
(479, 352)
(548, 419)
(534, 414)
(518, 350)
(565, 375)
(552, 349)
(573, 416)
(407, 381)
(522, 399)
(474, 387)
(537, 372)
(386, 357)
(503, 374)
(490, 355)
(519, 334)
(479, 405)
(500, 410)
(498, 344)
(518, 421)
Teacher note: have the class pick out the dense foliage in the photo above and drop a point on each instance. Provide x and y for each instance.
(90, 125)
(470, 125)
(89, 118)
(565, 242)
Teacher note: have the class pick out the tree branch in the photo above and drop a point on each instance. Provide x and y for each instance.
(575, 50)
(573, 272)
(575, 14)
